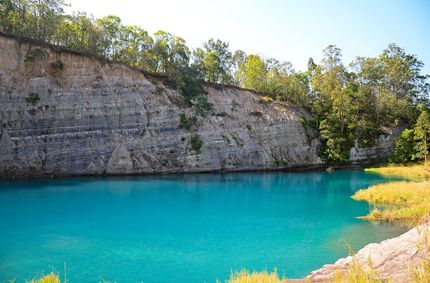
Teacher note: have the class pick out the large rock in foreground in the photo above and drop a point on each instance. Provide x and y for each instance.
(391, 259)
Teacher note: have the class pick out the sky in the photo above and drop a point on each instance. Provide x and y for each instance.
(288, 30)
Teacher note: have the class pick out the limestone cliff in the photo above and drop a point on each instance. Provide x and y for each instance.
(93, 117)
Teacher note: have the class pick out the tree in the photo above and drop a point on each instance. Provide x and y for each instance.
(170, 53)
(214, 61)
(252, 73)
(404, 150)
(79, 32)
(422, 135)
(35, 19)
(112, 33)
(136, 47)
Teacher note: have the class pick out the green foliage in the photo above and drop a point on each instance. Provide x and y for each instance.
(32, 98)
(202, 105)
(404, 150)
(252, 73)
(422, 135)
(36, 54)
(413, 144)
(31, 19)
(184, 122)
(214, 61)
(196, 142)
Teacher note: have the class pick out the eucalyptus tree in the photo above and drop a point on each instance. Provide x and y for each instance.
(252, 73)
(214, 61)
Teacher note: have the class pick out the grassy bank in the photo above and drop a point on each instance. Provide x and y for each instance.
(416, 172)
(406, 201)
(397, 201)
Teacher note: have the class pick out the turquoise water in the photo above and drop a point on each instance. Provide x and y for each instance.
(193, 228)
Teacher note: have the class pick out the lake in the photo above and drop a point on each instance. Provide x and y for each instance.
(194, 228)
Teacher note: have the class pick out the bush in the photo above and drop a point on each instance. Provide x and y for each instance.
(32, 98)
(404, 150)
(184, 122)
(35, 54)
(256, 114)
(202, 105)
(196, 142)
(57, 65)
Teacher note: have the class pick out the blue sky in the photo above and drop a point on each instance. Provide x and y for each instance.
(284, 29)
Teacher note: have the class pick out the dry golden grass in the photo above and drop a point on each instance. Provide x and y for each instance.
(416, 172)
(50, 278)
(358, 274)
(421, 272)
(397, 201)
(255, 277)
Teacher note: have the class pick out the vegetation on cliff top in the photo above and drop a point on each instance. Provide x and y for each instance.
(355, 102)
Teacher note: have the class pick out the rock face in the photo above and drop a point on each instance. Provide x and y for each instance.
(391, 259)
(383, 147)
(96, 117)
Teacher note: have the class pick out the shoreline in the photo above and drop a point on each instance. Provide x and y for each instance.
(308, 168)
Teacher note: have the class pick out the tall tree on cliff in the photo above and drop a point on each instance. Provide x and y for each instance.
(214, 61)
(252, 73)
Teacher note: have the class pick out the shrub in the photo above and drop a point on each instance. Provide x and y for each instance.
(256, 114)
(57, 65)
(196, 142)
(35, 54)
(184, 122)
(202, 105)
(222, 114)
(32, 98)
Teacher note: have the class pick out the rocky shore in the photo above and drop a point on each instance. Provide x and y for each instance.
(392, 259)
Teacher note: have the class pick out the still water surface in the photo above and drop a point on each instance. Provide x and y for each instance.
(195, 228)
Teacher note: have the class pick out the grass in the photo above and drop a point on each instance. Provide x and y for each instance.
(421, 272)
(356, 273)
(50, 278)
(255, 277)
(415, 172)
(397, 201)
(404, 201)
